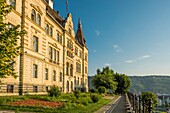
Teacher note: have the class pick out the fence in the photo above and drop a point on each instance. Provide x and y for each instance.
(139, 105)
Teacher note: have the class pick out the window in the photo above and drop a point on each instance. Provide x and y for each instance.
(61, 39)
(35, 89)
(86, 70)
(47, 28)
(46, 88)
(46, 74)
(50, 53)
(58, 56)
(34, 71)
(13, 3)
(38, 19)
(35, 43)
(71, 70)
(58, 37)
(51, 31)
(54, 76)
(67, 86)
(78, 67)
(10, 88)
(78, 81)
(67, 67)
(71, 86)
(61, 77)
(33, 15)
(55, 55)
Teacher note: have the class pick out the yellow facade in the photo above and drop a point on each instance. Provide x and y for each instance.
(52, 54)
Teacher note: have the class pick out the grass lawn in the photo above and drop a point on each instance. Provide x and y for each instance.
(65, 103)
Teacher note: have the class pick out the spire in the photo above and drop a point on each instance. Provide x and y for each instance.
(79, 35)
(79, 23)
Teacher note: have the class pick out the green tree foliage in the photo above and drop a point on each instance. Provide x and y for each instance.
(149, 95)
(123, 83)
(148, 83)
(77, 94)
(54, 91)
(101, 89)
(9, 48)
(104, 78)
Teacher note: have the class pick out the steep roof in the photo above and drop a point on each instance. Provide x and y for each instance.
(79, 35)
(55, 15)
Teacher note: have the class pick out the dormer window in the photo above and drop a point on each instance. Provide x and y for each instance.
(33, 15)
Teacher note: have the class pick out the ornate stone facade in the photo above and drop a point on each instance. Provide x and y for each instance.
(52, 53)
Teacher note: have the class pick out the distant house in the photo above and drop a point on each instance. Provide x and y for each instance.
(163, 99)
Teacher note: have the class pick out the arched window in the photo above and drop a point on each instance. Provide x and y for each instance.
(33, 15)
(67, 86)
(47, 28)
(71, 70)
(71, 86)
(67, 68)
(38, 19)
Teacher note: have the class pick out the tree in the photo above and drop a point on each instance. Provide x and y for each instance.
(123, 83)
(104, 78)
(9, 48)
(149, 95)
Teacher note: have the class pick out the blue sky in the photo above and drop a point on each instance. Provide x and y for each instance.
(130, 36)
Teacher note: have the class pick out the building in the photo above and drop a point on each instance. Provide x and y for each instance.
(52, 53)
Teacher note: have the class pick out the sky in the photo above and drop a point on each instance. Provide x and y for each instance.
(130, 36)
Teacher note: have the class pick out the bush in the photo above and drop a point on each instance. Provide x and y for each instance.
(77, 93)
(92, 90)
(95, 98)
(54, 91)
(102, 89)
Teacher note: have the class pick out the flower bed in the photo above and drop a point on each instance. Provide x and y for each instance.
(35, 102)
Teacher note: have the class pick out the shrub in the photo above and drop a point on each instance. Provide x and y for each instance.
(102, 89)
(92, 90)
(95, 98)
(3, 101)
(77, 93)
(54, 91)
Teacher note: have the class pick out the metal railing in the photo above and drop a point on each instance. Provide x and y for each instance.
(139, 105)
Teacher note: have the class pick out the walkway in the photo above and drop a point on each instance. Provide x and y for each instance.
(121, 106)
(118, 107)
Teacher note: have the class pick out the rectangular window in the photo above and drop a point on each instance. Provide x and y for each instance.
(10, 88)
(86, 70)
(78, 67)
(51, 31)
(55, 55)
(35, 89)
(13, 3)
(60, 39)
(50, 53)
(34, 71)
(58, 56)
(46, 88)
(35, 43)
(54, 76)
(61, 77)
(46, 74)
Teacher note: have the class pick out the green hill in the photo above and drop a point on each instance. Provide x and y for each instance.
(157, 84)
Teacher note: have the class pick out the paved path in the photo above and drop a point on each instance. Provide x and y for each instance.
(121, 106)
(118, 107)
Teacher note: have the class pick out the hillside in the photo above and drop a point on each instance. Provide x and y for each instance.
(157, 84)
